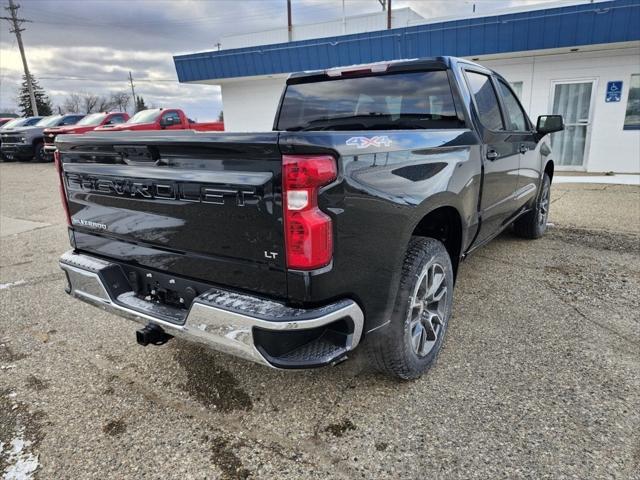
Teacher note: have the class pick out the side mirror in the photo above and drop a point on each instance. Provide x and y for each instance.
(549, 124)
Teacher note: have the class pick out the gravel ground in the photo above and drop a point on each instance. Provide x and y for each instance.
(539, 376)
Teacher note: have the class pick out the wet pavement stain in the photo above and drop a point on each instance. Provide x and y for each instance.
(114, 428)
(36, 383)
(381, 446)
(108, 391)
(210, 384)
(225, 459)
(7, 355)
(339, 429)
(598, 239)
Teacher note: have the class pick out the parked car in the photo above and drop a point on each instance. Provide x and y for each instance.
(87, 124)
(162, 119)
(10, 116)
(4, 120)
(16, 123)
(291, 247)
(26, 143)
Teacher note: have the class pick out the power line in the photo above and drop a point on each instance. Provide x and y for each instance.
(90, 79)
(17, 22)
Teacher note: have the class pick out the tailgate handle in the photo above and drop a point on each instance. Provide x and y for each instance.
(137, 154)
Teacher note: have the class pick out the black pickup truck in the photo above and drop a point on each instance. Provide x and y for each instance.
(344, 225)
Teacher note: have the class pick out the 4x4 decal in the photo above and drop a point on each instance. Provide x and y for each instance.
(364, 142)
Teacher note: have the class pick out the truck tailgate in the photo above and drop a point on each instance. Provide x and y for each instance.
(202, 205)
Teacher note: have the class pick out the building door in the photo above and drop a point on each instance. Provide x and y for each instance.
(573, 100)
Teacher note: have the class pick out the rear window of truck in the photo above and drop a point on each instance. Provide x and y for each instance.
(396, 101)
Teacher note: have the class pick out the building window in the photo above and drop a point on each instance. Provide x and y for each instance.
(632, 116)
(517, 89)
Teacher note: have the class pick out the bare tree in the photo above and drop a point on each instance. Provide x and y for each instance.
(120, 100)
(72, 103)
(90, 102)
(85, 102)
(104, 104)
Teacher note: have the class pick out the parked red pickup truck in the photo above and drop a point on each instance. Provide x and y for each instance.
(163, 119)
(87, 124)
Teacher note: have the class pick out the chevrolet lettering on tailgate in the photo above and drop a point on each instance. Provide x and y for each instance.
(144, 188)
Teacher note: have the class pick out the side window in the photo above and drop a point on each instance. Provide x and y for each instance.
(516, 120)
(486, 100)
(171, 117)
(517, 88)
(71, 120)
(115, 119)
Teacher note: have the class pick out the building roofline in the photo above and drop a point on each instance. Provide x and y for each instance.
(566, 26)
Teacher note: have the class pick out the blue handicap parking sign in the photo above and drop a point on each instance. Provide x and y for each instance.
(614, 91)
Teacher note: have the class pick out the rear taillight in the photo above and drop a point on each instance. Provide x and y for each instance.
(308, 230)
(63, 196)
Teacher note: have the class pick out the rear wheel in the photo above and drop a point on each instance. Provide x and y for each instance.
(423, 306)
(534, 223)
(39, 154)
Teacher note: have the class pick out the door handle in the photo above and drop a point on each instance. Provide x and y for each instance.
(492, 155)
(523, 149)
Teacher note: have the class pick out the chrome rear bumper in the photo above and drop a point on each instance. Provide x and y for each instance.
(224, 320)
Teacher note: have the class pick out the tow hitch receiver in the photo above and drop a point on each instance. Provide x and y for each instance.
(152, 334)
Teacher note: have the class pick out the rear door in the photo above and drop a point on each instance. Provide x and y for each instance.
(522, 135)
(501, 155)
(199, 205)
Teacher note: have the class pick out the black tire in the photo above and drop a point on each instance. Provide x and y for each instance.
(39, 154)
(533, 224)
(395, 352)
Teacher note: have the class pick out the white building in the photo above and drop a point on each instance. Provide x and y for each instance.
(580, 60)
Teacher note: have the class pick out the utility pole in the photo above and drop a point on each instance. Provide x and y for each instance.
(388, 14)
(16, 22)
(289, 25)
(133, 92)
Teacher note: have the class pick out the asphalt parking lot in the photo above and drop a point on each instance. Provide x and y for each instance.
(539, 376)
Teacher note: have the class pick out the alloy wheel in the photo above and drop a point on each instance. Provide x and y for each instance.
(428, 309)
(543, 205)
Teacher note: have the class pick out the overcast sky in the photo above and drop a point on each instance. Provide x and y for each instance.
(91, 45)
